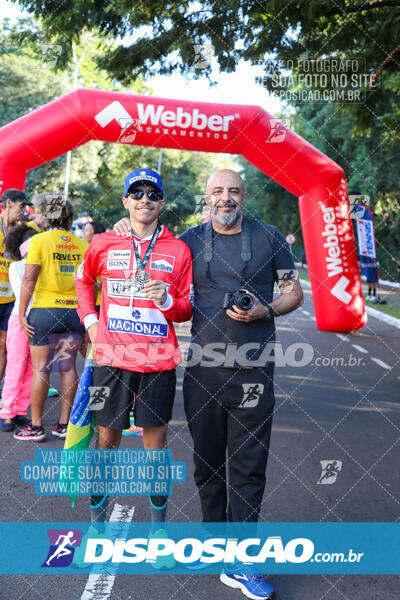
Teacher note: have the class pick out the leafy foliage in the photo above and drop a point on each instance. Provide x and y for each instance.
(159, 35)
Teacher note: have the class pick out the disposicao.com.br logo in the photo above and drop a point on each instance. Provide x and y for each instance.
(129, 547)
(212, 551)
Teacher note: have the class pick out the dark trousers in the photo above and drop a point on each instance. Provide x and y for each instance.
(229, 413)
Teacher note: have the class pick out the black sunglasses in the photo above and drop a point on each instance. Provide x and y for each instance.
(138, 195)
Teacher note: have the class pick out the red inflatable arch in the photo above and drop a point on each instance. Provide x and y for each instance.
(320, 184)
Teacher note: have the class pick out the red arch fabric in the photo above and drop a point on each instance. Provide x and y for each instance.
(320, 184)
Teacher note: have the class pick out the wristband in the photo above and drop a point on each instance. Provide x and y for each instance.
(271, 313)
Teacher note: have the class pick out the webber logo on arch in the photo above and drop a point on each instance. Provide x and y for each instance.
(153, 118)
(334, 259)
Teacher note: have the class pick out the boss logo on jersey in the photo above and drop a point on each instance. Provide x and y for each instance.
(118, 259)
(123, 288)
(162, 262)
(140, 321)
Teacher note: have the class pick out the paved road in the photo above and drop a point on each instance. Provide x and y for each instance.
(341, 406)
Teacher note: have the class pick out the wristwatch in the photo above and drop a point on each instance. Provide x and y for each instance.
(271, 313)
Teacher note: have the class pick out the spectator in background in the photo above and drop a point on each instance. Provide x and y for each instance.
(369, 268)
(91, 229)
(18, 375)
(13, 207)
(53, 323)
(38, 220)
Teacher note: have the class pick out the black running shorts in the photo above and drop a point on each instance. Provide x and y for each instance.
(48, 321)
(150, 394)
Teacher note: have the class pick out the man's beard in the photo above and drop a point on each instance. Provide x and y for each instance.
(227, 220)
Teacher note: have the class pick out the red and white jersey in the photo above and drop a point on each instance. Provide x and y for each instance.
(133, 332)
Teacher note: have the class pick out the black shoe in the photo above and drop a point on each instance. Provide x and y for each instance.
(7, 425)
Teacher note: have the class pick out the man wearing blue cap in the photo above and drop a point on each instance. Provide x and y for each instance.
(146, 285)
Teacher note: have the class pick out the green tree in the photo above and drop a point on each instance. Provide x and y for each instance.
(159, 36)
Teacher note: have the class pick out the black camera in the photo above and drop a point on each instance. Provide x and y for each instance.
(240, 298)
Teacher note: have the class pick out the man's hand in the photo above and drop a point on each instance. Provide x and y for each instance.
(28, 329)
(257, 311)
(157, 291)
(122, 227)
(92, 332)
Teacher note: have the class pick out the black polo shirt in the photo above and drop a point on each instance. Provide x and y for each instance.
(270, 255)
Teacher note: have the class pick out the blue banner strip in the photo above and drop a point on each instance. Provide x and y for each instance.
(285, 548)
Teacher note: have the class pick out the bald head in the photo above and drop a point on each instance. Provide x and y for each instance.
(225, 177)
(225, 195)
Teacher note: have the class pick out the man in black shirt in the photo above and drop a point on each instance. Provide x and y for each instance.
(228, 384)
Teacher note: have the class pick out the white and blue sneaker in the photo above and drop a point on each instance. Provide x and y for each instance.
(197, 565)
(251, 583)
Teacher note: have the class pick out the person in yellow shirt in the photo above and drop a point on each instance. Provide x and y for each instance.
(53, 324)
(38, 223)
(13, 207)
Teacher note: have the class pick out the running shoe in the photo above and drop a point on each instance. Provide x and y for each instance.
(20, 421)
(59, 430)
(79, 554)
(162, 562)
(133, 430)
(52, 392)
(252, 584)
(30, 433)
(7, 425)
(197, 565)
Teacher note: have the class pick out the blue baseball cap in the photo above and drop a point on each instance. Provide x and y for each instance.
(143, 176)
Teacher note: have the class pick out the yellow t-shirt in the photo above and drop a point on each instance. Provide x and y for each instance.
(34, 226)
(6, 293)
(59, 253)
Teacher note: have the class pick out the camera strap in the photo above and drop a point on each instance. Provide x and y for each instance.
(245, 250)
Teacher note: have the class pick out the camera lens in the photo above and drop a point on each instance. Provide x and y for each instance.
(244, 301)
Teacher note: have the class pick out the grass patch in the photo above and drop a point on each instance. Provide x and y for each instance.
(388, 309)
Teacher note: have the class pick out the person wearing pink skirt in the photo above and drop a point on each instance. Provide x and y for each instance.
(16, 394)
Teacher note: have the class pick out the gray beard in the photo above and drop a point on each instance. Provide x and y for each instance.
(226, 220)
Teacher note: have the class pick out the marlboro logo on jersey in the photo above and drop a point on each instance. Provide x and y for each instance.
(162, 262)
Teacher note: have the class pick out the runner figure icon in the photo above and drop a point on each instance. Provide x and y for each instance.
(62, 549)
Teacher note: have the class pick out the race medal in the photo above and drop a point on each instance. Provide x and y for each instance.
(141, 275)
(140, 279)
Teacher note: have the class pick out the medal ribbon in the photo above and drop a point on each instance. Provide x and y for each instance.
(141, 264)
